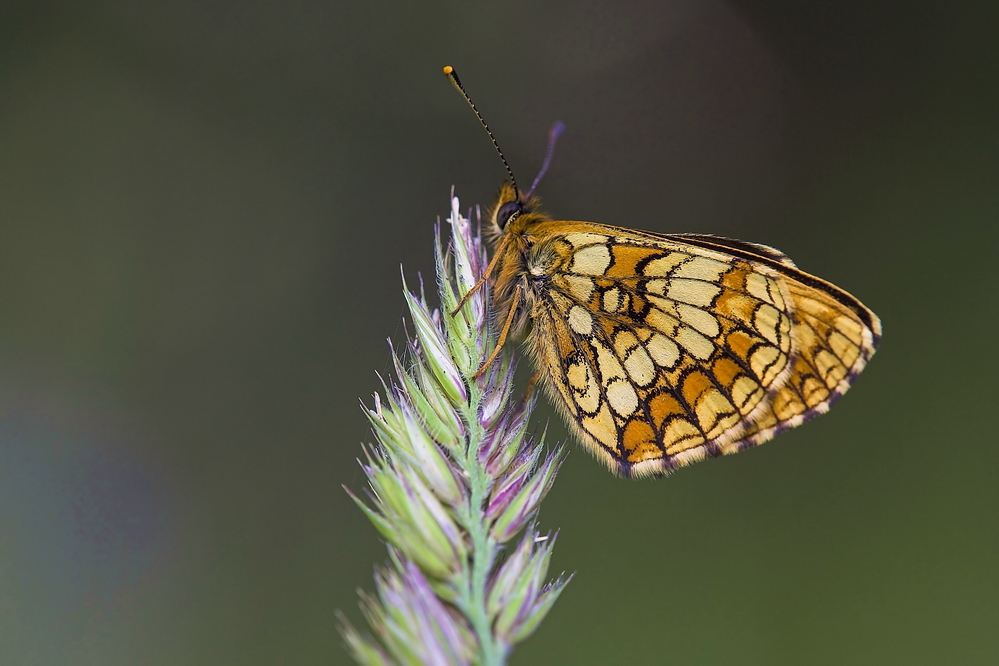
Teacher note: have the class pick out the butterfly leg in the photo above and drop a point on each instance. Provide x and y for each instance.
(515, 301)
(468, 294)
(485, 276)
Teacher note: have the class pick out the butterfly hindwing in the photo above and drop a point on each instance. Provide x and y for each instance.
(661, 351)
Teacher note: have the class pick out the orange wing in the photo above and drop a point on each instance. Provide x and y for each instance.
(664, 350)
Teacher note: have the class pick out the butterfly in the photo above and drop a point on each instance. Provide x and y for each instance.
(660, 350)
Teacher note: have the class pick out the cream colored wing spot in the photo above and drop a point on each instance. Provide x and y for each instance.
(759, 286)
(591, 260)
(702, 268)
(601, 427)
(579, 239)
(657, 286)
(662, 322)
(607, 363)
(694, 292)
(578, 375)
(613, 298)
(664, 305)
(702, 320)
(580, 320)
(580, 287)
(661, 266)
(784, 331)
(624, 342)
(715, 413)
(766, 363)
(813, 391)
(696, 344)
(770, 323)
(622, 397)
(745, 392)
(776, 297)
(680, 435)
(586, 392)
(640, 368)
(635, 358)
(663, 351)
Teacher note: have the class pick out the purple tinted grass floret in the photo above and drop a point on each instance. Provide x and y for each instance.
(453, 478)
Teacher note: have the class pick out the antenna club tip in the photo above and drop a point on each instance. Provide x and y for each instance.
(448, 70)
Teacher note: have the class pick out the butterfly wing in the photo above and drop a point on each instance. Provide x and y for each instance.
(664, 350)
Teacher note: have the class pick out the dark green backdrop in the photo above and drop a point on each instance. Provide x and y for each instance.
(203, 209)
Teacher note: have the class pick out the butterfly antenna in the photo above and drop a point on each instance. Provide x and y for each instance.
(452, 76)
(553, 134)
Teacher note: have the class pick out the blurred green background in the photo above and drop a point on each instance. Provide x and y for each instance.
(203, 209)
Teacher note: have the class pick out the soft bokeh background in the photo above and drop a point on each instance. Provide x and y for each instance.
(203, 209)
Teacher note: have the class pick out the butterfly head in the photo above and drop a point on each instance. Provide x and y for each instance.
(510, 210)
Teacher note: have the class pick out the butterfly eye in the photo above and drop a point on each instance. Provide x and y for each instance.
(507, 212)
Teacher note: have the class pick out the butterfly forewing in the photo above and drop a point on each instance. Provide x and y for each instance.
(663, 350)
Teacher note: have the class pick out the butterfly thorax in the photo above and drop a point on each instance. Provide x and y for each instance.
(531, 249)
(525, 261)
